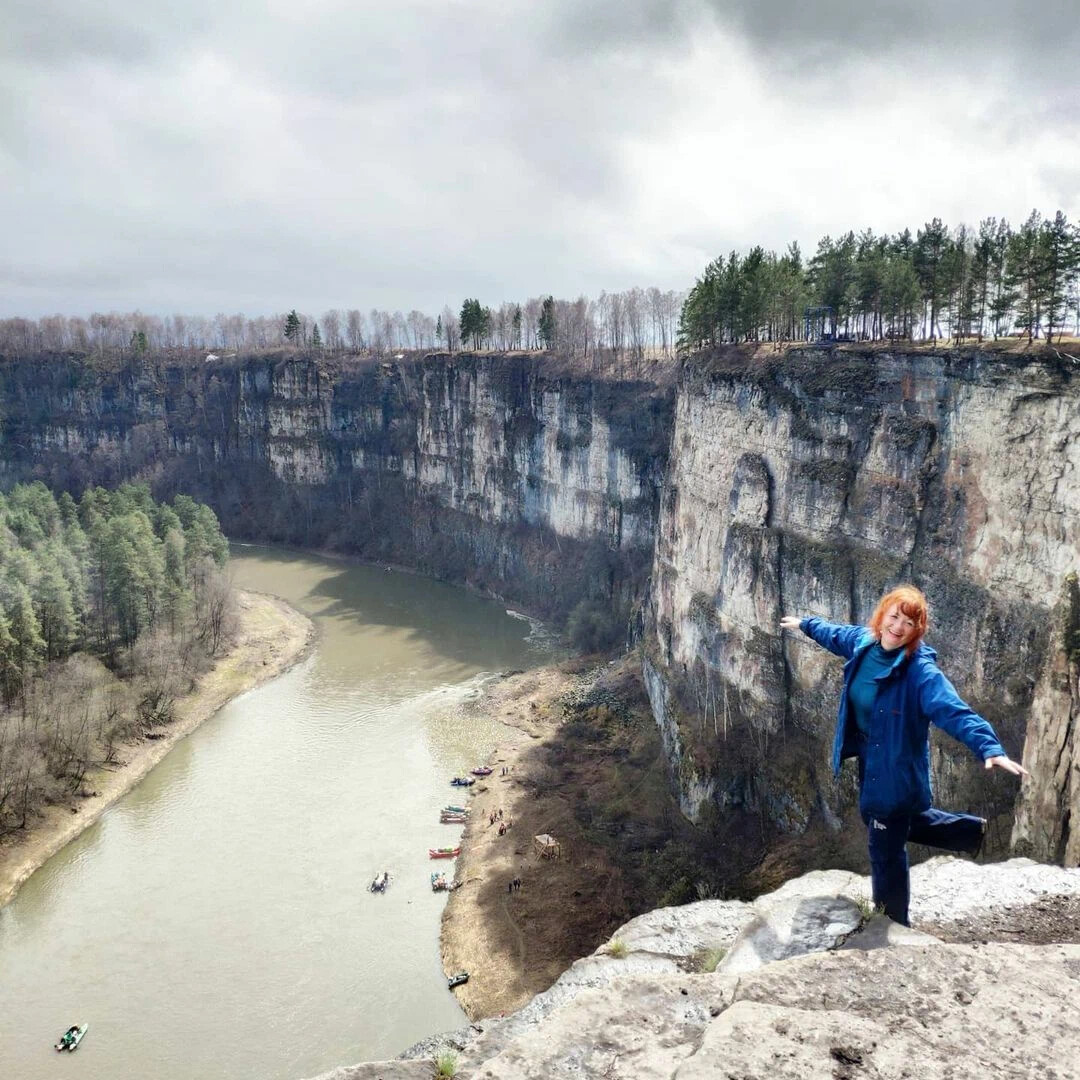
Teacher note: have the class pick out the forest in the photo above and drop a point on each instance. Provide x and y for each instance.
(109, 609)
(938, 284)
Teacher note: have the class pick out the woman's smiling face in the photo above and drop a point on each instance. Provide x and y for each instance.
(897, 629)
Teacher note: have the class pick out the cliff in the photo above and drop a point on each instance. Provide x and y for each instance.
(806, 485)
(491, 471)
(796, 483)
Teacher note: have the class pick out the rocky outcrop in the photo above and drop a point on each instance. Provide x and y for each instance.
(808, 987)
(806, 486)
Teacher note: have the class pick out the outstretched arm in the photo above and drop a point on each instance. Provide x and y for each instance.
(838, 638)
(943, 706)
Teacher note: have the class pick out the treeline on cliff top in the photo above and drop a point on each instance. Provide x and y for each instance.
(637, 321)
(109, 608)
(957, 284)
(942, 283)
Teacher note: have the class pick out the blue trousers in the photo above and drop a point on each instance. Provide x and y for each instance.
(888, 851)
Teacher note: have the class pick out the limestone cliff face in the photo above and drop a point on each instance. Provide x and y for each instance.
(485, 470)
(1048, 811)
(806, 486)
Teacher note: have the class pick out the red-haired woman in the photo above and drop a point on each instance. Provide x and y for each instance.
(893, 691)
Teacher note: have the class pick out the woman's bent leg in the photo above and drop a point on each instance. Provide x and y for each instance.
(952, 832)
(889, 865)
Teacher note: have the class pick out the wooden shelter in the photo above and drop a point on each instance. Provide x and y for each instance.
(546, 846)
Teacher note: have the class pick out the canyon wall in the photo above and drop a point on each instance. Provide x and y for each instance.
(807, 485)
(801, 483)
(489, 471)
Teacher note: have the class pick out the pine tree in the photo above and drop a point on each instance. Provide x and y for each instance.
(475, 323)
(1023, 269)
(545, 325)
(292, 327)
(316, 337)
(931, 246)
(1060, 262)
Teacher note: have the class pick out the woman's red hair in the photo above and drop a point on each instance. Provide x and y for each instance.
(912, 604)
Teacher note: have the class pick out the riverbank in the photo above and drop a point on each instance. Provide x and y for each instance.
(271, 637)
(567, 764)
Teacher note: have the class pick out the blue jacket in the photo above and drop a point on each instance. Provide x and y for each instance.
(911, 695)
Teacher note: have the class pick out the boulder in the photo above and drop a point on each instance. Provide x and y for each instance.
(792, 927)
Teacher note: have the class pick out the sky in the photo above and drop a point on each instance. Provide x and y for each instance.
(232, 156)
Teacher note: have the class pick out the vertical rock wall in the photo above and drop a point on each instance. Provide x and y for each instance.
(807, 486)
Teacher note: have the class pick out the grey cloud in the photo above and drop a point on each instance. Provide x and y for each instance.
(362, 154)
(837, 30)
(955, 28)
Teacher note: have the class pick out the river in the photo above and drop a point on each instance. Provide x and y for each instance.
(216, 922)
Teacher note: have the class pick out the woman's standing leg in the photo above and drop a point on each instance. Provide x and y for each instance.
(889, 865)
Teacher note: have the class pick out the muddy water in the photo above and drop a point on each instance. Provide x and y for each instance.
(217, 922)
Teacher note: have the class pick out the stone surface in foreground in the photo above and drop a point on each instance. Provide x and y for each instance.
(908, 1011)
(867, 1001)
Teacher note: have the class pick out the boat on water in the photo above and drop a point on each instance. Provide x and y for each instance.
(444, 852)
(71, 1038)
(481, 770)
(381, 882)
(463, 781)
(456, 810)
(458, 979)
(453, 819)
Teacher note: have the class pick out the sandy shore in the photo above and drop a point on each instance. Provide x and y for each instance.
(271, 637)
(485, 927)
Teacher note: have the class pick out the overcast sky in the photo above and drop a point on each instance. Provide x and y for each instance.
(229, 155)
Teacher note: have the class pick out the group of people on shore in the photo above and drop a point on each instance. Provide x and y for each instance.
(496, 817)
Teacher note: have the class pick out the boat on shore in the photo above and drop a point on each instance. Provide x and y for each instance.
(444, 852)
(481, 770)
(71, 1038)
(453, 819)
(456, 810)
(440, 883)
(458, 979)
(463, 781)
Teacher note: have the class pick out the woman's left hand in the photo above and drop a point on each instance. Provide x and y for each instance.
(1007, 764)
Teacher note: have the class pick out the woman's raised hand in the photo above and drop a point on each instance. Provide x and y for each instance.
(1007, 764)
(790, 622)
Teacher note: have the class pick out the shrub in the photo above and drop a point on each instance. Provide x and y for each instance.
(446, 1063)
(592, 626)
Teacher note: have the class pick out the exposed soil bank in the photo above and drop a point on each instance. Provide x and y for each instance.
(584, 763)
(271, 636)
(485, 927)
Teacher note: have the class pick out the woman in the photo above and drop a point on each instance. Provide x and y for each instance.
(893, 691)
